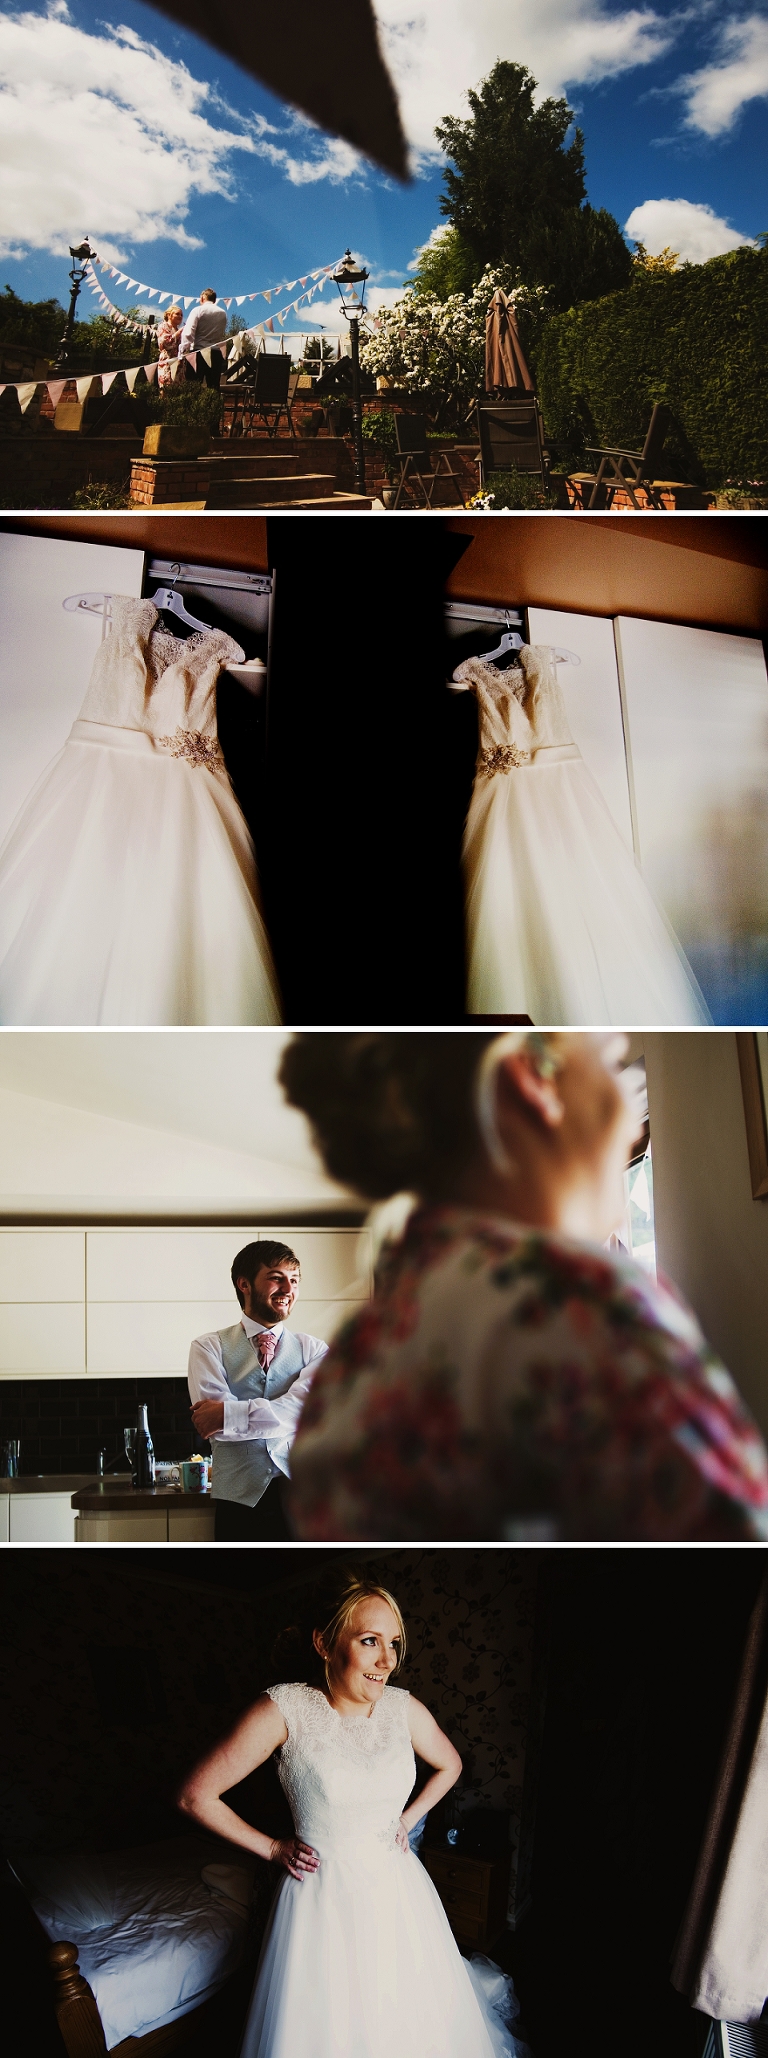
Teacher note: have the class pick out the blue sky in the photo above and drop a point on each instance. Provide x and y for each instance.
(186, 172)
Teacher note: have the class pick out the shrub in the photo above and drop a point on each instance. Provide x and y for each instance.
(185, 406)
(99, 493)
(513, 489)
(694, 338)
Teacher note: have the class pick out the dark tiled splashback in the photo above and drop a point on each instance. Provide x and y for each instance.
(63, 1423)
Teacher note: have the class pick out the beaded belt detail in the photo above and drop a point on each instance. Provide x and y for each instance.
(195, 747)
(503, 758)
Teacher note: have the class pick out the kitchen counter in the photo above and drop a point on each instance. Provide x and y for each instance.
(118, 1492)
(111, 1510)
(48, 1482)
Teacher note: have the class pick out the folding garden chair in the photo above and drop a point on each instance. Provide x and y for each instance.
(629, 469)
(264, 392)
(511, 436)
(417, 470)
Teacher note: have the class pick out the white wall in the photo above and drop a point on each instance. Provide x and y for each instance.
(711, 1236)
(49, 1151)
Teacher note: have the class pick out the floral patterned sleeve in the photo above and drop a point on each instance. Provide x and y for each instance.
(506, 1384)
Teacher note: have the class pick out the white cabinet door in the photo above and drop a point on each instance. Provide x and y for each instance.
(47, 1340)
(696, 707)
(46, 654)
(42, 1264)
(136, 1337)
(5, 1500)
(195, 1264)
(41, 1518)
(593, 700)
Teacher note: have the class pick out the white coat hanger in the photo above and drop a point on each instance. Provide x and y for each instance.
(171, 602)
(512, 640)
(91, 604)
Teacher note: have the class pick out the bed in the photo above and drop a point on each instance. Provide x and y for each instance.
(141, 1942)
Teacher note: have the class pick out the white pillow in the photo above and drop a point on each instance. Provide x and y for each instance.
(68, 1892)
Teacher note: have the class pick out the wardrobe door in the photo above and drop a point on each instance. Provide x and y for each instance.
(46, 653)
(696, 712)
(592, 698)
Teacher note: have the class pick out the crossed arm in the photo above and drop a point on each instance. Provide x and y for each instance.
(254, 1739)
(216, 1412)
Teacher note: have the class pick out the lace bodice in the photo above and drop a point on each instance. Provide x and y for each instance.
(146, 678)
(521, 710)
(346, 1778)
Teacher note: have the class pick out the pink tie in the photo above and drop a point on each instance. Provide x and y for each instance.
(266, 1345)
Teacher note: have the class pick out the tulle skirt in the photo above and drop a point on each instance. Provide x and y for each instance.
(359, 1962)
(561, 925)
(128, 893)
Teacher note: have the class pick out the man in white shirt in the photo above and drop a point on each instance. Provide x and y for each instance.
(248, 1385)
(205, 324)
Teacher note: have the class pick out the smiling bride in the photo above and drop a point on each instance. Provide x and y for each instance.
(358, 1960)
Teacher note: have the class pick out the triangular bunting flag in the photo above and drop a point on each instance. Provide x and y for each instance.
(131, 377)
(302, 282)
(270, 326)
(56, 388)
(206, 356)
(84, 387)
(121, 278)
(240, 297)
(151, 292)
(131, 283)
(267, 296)
(141, 289)
(150, 373)
(190, 300)
(227, 303)
(26, 393)
(107, 380)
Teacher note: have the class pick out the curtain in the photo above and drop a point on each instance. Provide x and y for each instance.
(721, 1957)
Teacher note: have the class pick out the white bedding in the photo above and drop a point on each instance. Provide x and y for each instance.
(153, 1939)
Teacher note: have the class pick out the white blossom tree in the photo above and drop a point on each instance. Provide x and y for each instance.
(437, 347)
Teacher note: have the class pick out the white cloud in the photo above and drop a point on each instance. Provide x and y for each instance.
(716, 95)
(687, 226)
(437, 48)
(102, 134)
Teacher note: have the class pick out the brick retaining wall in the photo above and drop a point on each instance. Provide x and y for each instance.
(47, 470)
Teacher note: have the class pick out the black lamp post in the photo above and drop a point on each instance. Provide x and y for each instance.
(82, 256)
(348, 276)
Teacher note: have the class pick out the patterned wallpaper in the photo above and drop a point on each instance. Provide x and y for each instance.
(117, 1677)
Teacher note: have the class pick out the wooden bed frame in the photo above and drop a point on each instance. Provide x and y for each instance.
(80, 2023)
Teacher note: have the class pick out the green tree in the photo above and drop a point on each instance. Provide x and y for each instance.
(447, 265)
(38, 323)
(517, 195)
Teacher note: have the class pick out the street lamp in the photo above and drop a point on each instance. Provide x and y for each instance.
(82, 256)
(348, 276)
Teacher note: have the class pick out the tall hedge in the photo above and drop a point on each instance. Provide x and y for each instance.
(696, 338)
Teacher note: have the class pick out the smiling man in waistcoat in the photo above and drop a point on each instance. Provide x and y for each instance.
(248, 1386)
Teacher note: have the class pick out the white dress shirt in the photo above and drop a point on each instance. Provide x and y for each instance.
(205, 324)
(273, 1423)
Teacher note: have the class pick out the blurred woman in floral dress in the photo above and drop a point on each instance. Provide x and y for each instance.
(169, 338)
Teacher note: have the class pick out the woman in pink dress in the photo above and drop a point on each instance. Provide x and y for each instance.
(169, 338)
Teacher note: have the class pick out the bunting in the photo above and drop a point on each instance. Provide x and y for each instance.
(267, 293)
(161, 293)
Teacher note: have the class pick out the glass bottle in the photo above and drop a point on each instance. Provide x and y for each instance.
(144, 1455)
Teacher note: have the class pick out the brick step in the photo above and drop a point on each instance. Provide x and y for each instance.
(255, 490)
(247, 463)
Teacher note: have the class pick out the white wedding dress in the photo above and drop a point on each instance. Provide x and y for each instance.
(359, 1960)
(561, 926)
(128, 887)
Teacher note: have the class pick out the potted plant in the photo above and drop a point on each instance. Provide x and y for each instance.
(182, 422)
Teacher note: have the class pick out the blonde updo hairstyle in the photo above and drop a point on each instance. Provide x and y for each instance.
(328, 1613)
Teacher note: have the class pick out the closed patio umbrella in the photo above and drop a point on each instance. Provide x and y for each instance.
(504, 361)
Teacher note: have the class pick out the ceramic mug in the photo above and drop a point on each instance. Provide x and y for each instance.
(194, 1475)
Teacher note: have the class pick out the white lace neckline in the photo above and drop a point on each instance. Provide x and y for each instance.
(334, 1711)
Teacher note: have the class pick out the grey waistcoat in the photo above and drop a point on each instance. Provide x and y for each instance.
(242, 1471)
